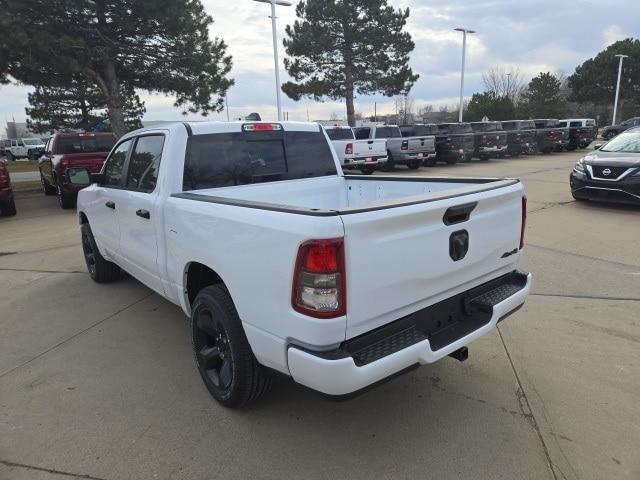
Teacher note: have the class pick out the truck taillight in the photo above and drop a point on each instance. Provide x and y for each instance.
(405, 145)
(523, 224)
(319, 279)
(348, 149)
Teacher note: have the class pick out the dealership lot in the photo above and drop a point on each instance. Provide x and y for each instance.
(97, 381)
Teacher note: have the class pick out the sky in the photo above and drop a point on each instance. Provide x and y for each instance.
(532, 36)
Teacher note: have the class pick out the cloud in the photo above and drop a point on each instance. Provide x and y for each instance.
(545, 35)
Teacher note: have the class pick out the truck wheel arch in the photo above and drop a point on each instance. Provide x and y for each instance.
(82, 218)
(196, 277)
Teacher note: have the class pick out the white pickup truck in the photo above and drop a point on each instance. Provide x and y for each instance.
(364, 155)
(410, 151)
(283, 263)
(30, 148)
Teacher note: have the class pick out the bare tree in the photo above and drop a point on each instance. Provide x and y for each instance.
(425, 109)
(404, 109)
(504, 83)
(333, 116)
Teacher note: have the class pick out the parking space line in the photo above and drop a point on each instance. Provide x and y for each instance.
(525, 408)
(586, 297)
(587, 257)
(77, 334)
(48, 470)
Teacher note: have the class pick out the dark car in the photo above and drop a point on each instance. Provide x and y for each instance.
(521, 137)
(579, 135)
(489, 140)
(71, 150)
(551, 136)
(612, 130)
(456, 140)
(421, 131)
(7, 202)
(611, 173)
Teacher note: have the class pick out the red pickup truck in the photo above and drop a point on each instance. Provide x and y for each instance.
(71, 150)
(7, 203)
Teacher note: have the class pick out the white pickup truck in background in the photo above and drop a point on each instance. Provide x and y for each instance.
(364, 155)
(283, 263)
(409, 151)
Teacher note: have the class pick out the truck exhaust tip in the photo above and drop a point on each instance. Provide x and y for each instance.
(461, 354)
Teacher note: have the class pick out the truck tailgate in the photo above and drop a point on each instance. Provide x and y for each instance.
(369, 148)
(422, 144)
(399, 259)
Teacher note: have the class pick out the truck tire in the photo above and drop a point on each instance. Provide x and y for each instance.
(452, 160)
(100, 270)
(221, 351)
(368, 170)
(484, 158)
(388, 166)
(48, 189)
(10, 157)
(65, 200)
(8, 208)
(414, 164)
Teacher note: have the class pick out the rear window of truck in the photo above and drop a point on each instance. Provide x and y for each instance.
(486, 126)
(242, 158)
(69, 145)
(447, 128)
(388, 132)
(339, 133)
(419, 130)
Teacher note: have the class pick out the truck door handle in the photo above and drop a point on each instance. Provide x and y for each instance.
(458, 214)
(110, 205)
(143, 214)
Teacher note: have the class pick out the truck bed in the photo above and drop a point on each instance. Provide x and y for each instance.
(346, 195)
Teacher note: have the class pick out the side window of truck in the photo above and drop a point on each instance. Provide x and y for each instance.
(114, 165)
(145, 163)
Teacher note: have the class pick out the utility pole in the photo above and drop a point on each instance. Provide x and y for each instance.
(615, 102)
(464, 47)
(273, 4)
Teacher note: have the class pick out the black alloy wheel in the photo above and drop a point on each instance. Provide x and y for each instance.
(212, 349)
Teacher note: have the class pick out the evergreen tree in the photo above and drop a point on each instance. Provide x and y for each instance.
(543, 98)
(338, 48)
(595, 80)
(80, 105)
(118, 45)
(495, 107)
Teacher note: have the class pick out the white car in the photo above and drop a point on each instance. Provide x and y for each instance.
(364, 155)
(283, 263)
(30, 148)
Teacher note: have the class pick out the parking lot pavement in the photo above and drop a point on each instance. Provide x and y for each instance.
(98, 381)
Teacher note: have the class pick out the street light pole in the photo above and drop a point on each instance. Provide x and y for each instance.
(615, 102)
(464, 47)
(273, 4)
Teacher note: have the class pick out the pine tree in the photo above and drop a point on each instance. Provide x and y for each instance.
(80, 105)
(543, 98)
(119, 45)
(338, 48)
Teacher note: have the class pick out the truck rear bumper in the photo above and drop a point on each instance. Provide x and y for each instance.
(357, 162)
(493, 149)
(423, 337)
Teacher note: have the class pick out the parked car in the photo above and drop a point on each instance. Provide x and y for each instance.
(364, 155)
(422, 130)
(7, 202)
(521, 137)
(4, 145)
(489, 140)
(579, 135)
(69, 150)
(460, 136)
(284, 263)
(551, 137)
(409, 151)
(30, 148)
(612, 130)
(611, 173)
(588, 123)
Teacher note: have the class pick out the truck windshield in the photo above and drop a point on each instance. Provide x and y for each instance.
(339, 133)
(242, 158)
(486, 126)
(32, 141)
(388, 132)
(69, 145)
(418, 130)
(447, 128)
